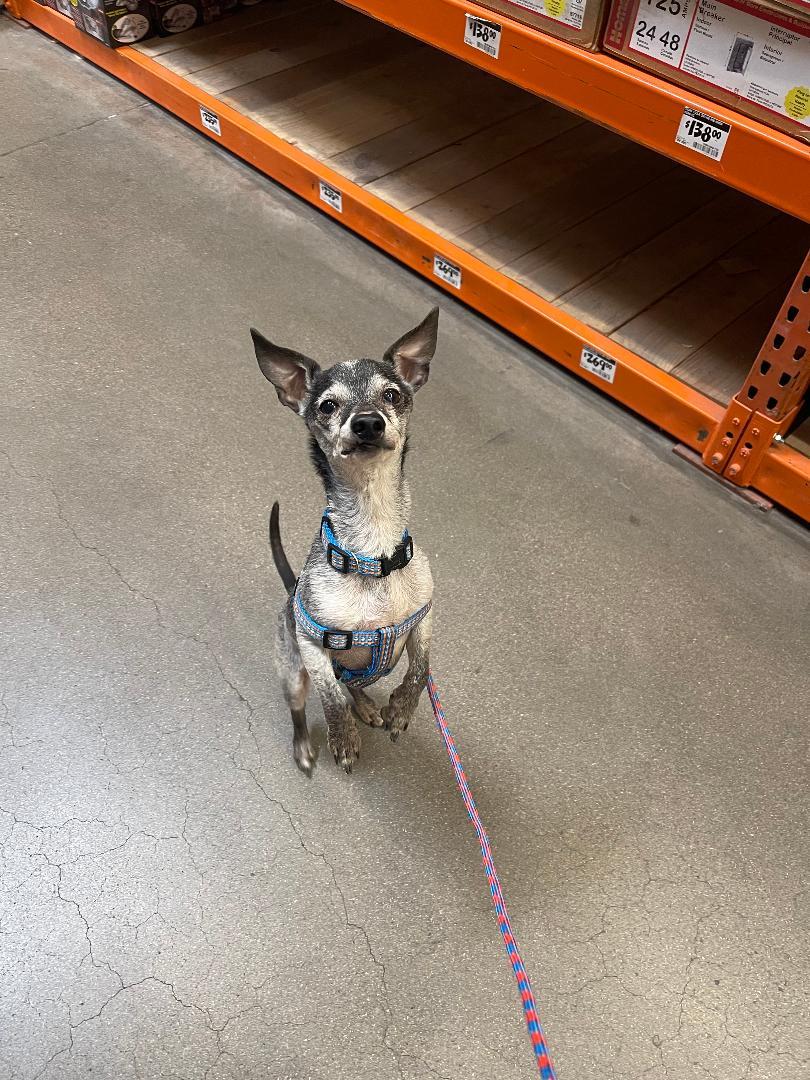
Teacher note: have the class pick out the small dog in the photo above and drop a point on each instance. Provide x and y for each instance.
(365, 592)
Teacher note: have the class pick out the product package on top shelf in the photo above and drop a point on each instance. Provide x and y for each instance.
(577, 21)
(752, 56)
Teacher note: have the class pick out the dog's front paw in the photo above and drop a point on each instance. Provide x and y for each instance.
(366, 711)
(395, 720)
(344, 742)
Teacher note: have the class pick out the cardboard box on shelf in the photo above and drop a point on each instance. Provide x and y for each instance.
(72, 9)
(63, 7)
(115, 22)
(753, 56)
(174, 16)
(107, 19)
(577, 21)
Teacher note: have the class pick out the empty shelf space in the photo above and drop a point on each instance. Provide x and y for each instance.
(664, 261)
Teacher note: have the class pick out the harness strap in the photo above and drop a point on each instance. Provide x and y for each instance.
(349, 562)
(382, 642)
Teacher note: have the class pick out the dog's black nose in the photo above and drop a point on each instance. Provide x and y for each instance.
(368, 426)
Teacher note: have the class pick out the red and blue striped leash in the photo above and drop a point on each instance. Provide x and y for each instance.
(536, 1034)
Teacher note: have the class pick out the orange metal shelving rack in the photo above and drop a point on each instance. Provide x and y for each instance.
(759, 161)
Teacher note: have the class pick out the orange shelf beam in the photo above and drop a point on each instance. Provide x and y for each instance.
(686, 414)
(784, 476)
(767, 164)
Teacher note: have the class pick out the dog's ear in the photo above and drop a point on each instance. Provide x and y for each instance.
(290, 372)
(411, 355)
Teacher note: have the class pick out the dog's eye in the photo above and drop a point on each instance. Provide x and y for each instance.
(327, 406)
(392, 395)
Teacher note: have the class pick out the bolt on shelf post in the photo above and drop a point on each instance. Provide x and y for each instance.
(767, 403)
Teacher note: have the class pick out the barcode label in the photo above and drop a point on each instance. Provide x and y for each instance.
(331, 196)
(447, 271)
(483, 35)
(702, 133)
(210, 120)
(601, 366)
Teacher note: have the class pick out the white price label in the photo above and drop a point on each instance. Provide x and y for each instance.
(483, 35)
(210, 120)
(331, 196)
(447, 271)
(601, 366)
(661, 29)
(702, 133)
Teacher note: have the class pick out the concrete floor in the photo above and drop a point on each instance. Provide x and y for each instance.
(177, 900)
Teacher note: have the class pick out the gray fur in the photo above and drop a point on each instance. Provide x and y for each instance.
(368, 493)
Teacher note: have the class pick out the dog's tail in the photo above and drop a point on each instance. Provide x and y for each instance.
(279, 558)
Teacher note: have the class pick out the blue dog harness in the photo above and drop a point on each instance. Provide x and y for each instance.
(382, 641)
(348, 562)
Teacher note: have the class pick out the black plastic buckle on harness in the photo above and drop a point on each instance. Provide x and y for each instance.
(329, 634)
(403, 553)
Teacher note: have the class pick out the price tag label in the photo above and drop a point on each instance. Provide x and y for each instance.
(331, 196)
(210, 120)
(483, 35)
(601, 366)
(703, 133)
(447, 271)
(661, 29)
